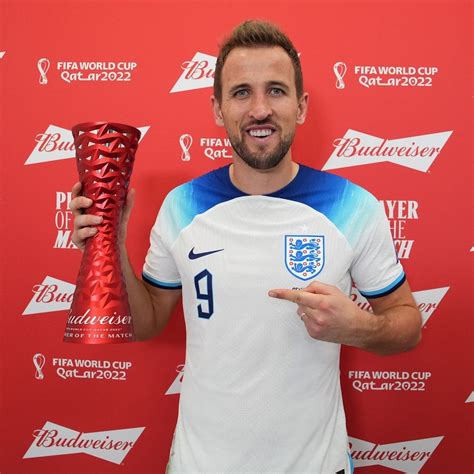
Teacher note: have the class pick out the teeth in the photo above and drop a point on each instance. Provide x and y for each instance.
(261, 133)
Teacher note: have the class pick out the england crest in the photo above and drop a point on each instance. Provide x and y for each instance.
(304, 255)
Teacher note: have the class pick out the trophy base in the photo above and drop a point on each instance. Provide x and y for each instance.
(101, 329)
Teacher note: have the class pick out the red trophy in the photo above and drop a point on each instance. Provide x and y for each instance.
(100, 313)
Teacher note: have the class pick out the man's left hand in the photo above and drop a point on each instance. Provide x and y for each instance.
(328, 314)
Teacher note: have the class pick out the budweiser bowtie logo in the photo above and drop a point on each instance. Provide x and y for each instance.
(56, 440)
(427, 301)
(50, 295)
(56, 143)
(406, 456)
(197, 73)
(175, 387)
(357, 148)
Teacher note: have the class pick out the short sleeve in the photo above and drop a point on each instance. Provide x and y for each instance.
(160, 268)
(376, 270)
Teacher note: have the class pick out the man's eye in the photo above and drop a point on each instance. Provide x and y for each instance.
(276, 91)
(241, 93)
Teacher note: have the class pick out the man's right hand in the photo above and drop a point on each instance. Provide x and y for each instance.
(151, 307)
(85, 225)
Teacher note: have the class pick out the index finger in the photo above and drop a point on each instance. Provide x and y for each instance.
(78, 202)
(76, 190)
(299, 297)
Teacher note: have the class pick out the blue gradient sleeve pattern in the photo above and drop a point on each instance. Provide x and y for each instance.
(195, 197)
(348, 206)
(359, 216)
(179, 209)
(355, 212)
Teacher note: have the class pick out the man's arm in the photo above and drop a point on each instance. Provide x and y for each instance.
(395, 325)
(329, 315)
(151, 307)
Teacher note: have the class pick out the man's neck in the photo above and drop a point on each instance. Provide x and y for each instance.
(254, 181)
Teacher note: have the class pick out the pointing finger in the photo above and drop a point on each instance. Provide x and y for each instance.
(321, 288)
(300, 297)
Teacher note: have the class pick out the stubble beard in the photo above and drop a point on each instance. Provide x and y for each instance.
(261, 160)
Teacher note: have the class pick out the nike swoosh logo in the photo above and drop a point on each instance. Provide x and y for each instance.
(193, 256)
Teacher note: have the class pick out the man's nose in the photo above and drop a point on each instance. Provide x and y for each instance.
(260, 107)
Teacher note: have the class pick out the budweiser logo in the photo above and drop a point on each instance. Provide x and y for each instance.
(2, 53)
(175, 387)
(87, 319)
(470, 398)
(50, 295)
(406, 456)
(427, 301)
(57, 143)
(56, 440)
(197, 73)
(357, 148)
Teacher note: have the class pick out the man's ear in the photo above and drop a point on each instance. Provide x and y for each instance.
(216, 108)
(302, 108)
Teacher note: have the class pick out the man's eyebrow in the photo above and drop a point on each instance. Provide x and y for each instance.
(242, 85)
(283, 85)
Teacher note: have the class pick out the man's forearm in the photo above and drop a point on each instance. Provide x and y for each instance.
(392, 331)
(141, 305)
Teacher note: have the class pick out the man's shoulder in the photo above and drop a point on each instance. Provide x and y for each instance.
(210, 180)
(347, 205)
(201, 193)
(331, 186)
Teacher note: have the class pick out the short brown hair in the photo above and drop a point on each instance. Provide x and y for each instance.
(253, 34)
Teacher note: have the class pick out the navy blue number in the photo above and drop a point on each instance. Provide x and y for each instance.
(204, 295)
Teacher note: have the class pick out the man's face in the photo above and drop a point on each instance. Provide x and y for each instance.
(259, 107)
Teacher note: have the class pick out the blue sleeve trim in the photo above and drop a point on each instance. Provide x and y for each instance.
(161, 284)
(387, 290)
(351, 464)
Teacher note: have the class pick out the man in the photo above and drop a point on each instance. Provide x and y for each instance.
(250, 247)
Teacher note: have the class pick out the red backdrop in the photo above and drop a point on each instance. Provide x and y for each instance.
(389, 84)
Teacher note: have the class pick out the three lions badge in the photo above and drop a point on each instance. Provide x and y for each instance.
(304, 255)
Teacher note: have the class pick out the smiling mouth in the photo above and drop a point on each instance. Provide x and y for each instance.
(260, 132)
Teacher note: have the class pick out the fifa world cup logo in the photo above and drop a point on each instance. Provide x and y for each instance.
(43, 67)
(38, 361)
(185, 142)
(340, 70)
(100, 311)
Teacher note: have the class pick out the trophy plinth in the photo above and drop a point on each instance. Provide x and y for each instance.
(100, 313)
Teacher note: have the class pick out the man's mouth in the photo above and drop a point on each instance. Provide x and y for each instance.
(260, 131)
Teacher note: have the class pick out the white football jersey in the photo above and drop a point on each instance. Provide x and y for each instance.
(259, 395)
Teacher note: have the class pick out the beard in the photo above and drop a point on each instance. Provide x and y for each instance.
(262, 160)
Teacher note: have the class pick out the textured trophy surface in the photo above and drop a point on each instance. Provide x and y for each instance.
(100, 312)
